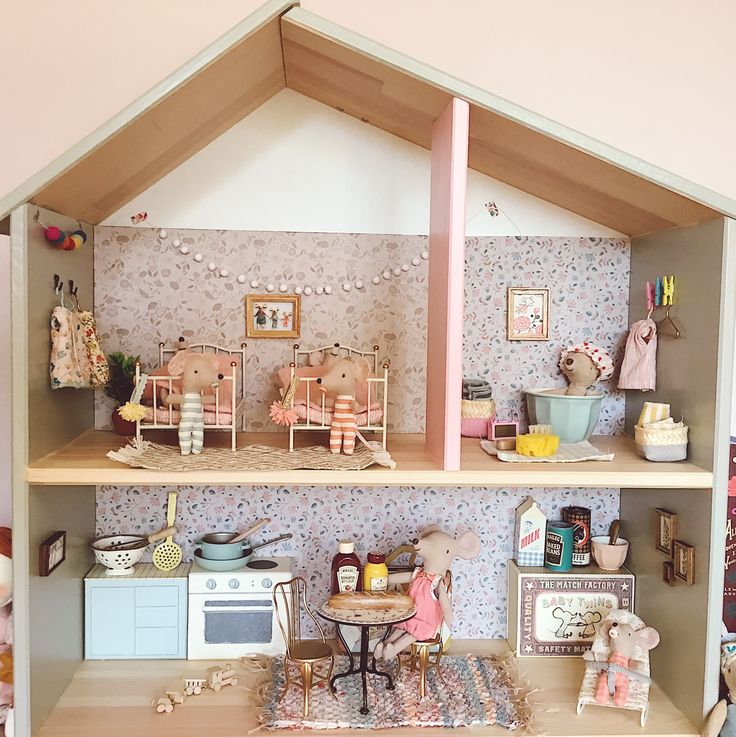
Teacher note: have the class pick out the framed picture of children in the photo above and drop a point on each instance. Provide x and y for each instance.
(272, 316)
(528, 314)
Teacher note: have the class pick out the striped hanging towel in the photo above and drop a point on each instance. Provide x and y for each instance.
(639, 368)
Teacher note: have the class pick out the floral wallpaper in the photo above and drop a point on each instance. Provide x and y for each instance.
(588, 279)
(146, 291)
(376, 518)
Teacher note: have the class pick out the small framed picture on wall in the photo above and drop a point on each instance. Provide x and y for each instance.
(272, 316)
(52, 553)
(666, 531)
(684, 562)
(528, 314)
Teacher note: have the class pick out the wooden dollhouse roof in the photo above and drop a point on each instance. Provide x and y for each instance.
(281, 45)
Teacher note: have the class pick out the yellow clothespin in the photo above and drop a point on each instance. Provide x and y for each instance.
(668, 289)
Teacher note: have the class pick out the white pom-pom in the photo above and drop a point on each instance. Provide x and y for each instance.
(307, 290)
(269, 287)
(162, 234)
(183, 250)
(328, 290)
(254, 283)
(424, 255)
(176, 243)
(397, 271)
(359, 284)
(376, 279)
(211, 265)
(283, 287)
(416, 261)
(319, 290)
(298, 290)
(347, 286)
(224, 272)
(198, 257)
(405, 267)
(241, 278)
(386, 274)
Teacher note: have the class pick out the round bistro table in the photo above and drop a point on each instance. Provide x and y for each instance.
(365, 619)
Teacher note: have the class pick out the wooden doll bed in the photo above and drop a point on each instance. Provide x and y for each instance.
(638, 696)
(314, 412)
(227, 414)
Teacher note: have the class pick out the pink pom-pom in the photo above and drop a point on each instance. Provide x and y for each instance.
(283, 416)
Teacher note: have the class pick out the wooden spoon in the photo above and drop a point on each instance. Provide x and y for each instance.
(146, 540)
(240, 536)
(613, 534)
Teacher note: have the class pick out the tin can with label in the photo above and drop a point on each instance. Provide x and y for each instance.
(558, 546)
(580, 518)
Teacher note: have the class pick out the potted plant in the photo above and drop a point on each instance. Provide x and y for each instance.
(120, 387)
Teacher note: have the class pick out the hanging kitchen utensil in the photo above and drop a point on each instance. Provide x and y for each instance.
(240, 536)
(167, 556)
(248, 551)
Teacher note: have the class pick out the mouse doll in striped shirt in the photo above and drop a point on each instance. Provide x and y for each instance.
(199, 373)
(340, 383)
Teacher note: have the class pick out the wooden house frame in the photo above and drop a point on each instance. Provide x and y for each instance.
(675, 226)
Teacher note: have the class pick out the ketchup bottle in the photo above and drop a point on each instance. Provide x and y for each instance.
(346, 570)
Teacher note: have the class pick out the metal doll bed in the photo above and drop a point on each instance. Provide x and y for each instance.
(315, 411)
(226, 414)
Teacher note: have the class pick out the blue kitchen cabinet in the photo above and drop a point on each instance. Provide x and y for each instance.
(141, 616)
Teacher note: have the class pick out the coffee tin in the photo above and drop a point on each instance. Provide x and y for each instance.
(580, 518)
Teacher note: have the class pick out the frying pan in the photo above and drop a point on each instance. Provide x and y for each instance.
(216, 546)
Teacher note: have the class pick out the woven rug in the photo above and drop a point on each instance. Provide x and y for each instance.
(479, 692)
(158, 457)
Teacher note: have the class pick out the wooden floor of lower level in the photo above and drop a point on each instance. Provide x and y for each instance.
(113, 698)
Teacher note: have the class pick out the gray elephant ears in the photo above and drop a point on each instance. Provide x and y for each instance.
(467, 545)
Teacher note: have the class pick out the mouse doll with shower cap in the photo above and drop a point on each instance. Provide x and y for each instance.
(583, 365)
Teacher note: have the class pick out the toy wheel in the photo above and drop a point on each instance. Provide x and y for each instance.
(580, 707)
(234, 681)
(217, 687)
(197, 690)
(160, 708)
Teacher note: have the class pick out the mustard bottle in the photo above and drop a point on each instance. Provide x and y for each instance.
(375, 573)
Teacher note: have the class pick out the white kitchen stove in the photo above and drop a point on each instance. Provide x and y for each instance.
(232, 613)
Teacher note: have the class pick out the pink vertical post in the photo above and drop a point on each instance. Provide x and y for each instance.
(446, 283)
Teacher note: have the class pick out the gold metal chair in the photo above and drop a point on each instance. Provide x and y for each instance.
(290, 599)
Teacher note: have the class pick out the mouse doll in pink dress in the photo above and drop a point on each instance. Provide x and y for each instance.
(428, 587)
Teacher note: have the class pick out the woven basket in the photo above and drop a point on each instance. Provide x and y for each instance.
(477, 409)
(647, 436)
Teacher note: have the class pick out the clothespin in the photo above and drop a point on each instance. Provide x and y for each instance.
(650, 296)
(658, 292)
(669, 290)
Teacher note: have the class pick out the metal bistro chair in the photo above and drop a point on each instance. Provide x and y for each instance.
(290, 599)
(422, 654)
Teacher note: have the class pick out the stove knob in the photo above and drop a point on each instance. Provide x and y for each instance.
(233, 583)
(211, 583)
(267, 583)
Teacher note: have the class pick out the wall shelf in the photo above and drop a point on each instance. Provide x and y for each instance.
(119, 695)
(84, 462)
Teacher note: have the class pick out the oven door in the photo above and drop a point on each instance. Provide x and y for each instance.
(233, 626)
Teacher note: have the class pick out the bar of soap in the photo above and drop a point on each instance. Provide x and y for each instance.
(537, 446)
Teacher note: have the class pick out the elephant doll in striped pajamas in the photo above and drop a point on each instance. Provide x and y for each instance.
(199, 374)
(340, 384)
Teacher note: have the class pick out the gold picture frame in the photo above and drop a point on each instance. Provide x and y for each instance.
(527, 314)
(666, 532)
(272, 315)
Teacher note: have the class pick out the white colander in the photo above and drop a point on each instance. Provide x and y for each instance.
(120, 553)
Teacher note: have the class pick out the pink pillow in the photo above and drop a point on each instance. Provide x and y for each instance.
(226, 387)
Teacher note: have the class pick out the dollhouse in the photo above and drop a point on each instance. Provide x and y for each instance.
(59, 458)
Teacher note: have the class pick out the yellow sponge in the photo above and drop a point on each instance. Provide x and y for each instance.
(538, 446)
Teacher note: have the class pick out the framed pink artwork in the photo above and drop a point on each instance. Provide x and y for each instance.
(528, 314)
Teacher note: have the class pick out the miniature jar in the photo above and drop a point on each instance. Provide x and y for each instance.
(375, 573)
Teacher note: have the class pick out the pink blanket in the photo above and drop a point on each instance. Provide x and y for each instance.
(163, 417)
(315, 415)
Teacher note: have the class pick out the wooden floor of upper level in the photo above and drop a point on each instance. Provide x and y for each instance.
(84, 462)
(114, 698)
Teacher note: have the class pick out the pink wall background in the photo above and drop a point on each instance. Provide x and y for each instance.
(616, 71)
(5, 415)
